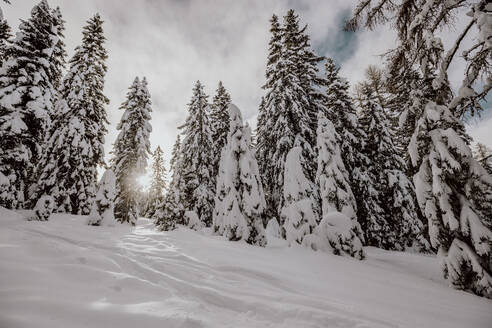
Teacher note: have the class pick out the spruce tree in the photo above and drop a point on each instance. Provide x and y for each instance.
(455, 193)
(175, 154)
(239, 201)
(196, 161)
(131, 150)
(483, 155)
(102, 212)
(396, 224)
(158, 184)
(300, 213)
(29, 77)
(287, 122)
(219, 120)
(75, 143)
(264, 138)
(307, 65)
(5, 35)
(171, 211)
(340, 231)
(453, 190)
(340, 110)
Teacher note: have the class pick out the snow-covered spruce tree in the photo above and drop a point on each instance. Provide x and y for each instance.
(74, 146)
(131, 150)
(5, 35)
(175, 154)
(102, 212)
(219, 120)
(158, 184)
(397, 225)
(307, 65)
(339, 232)
(483, 155)
(340, 110)
(454, 191)
(43, 209)
(239, 201)
(171, 210)
(29, 76)
(300, 213)
(287, 122)
(196, 161)
(376, 80)
(264, 138)
(404, 100)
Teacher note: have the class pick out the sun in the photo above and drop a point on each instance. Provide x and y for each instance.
(144, 182)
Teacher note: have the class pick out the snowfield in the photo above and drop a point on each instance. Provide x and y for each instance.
(63, 273)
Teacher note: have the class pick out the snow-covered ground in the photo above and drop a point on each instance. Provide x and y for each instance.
(63, 273)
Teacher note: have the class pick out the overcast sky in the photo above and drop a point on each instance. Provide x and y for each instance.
(174, 43)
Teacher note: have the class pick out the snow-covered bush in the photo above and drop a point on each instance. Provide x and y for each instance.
(102, 212)
(335, 234)
(43, 209)
(239, 201)
(4, 186)
(273, 234)
(193, 221)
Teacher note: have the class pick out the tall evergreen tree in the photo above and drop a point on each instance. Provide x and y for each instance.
(75, 143)
(29, 77)
(219, 119)
(264, 138)
(239, 201)
(196, 160)
(287, 121)
(395, 224)
(453, 190)
(340, 110)
(158, 184)
(175, 154)
(300, 211)
(171, 211)
(313, 82)
(5, 35)
(131, 150)
(339, 231)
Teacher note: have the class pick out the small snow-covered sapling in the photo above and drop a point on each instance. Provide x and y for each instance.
(44, 208)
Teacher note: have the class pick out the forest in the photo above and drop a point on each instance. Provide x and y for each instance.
(333, 165)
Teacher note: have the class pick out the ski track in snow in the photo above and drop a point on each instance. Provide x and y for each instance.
(62, 273)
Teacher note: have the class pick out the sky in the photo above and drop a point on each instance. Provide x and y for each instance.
(174, 43)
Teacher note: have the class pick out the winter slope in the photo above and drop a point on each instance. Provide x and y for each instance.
(63, 273)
